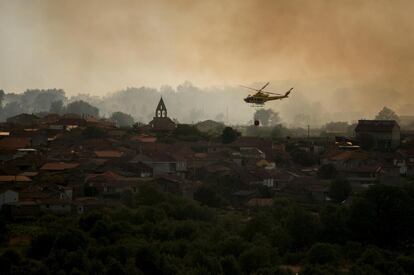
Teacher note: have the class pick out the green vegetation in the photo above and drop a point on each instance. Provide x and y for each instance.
(229, 135)
(163, 234)
(122, 120)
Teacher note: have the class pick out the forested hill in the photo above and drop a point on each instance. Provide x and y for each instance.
(185, 103)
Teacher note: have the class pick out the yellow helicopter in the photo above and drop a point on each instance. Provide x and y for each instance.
(261, 97)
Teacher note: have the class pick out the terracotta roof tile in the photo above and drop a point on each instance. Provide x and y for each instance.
(59, 166)
(108, 154)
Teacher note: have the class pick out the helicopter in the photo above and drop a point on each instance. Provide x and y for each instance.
(261, 97)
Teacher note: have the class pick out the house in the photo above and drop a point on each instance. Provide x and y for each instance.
(140, 169)
(162, 162)
(258, 177)
(69, 123)
(367, 174)
(404, 160)
(57, 206)
(110, 182)
(161, 122)
(252, 153)
(260, 202)
(175, 184)
(14, 179)
(347, 159)
(24, 120)
(264, 146)
(307, 189)
(210, 126)
(383, 134)
(8, 196)
(13, 143)
(86, 204)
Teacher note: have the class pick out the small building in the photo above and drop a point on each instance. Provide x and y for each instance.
(161, 122)
(383, 134)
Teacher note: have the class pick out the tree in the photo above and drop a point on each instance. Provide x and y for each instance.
(327, 171)
(387, 114)
(229, 135)
(322, 253)
(56, 107)
(122, 120)
(338, 126)
(12, 109)
(44, 99)
(339, 190)
(267, 117)
(279, 131)
(381, 212)
(2, 94)
(208, 196)
(82, 108)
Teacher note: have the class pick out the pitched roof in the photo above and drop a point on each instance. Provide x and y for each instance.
(144, 139)
(108, 154)
(11, 178)
(349, 155)
(59, 166)
(106, 176)
(71, 121)
(14, 143)
(260, 202)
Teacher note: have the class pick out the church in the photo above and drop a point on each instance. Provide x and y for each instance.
(161, 122)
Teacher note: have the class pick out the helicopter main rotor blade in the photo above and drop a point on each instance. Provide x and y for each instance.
(264, 86)
(250, 88)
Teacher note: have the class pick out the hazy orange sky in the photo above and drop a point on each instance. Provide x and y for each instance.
(357, 52)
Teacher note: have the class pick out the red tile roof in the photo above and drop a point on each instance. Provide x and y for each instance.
(14, 143)
(59, 166)
(108, 154)
(11, 178)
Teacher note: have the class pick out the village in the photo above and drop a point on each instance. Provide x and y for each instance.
(74, 164)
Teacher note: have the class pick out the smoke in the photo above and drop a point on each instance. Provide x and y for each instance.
(350, 57)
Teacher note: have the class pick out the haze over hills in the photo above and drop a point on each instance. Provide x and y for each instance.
(189, 104)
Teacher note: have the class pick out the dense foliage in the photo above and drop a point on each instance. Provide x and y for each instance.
(122, 120)
(163, 234)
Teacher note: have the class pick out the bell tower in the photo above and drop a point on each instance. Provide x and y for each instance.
(161, 110)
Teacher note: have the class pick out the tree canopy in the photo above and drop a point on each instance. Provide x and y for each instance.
(387, 114)
(122, 120)
(82, 108)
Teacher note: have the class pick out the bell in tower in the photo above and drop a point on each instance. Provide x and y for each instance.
(161, 110)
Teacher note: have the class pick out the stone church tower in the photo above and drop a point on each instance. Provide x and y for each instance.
(161, 122)
(161, 110)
